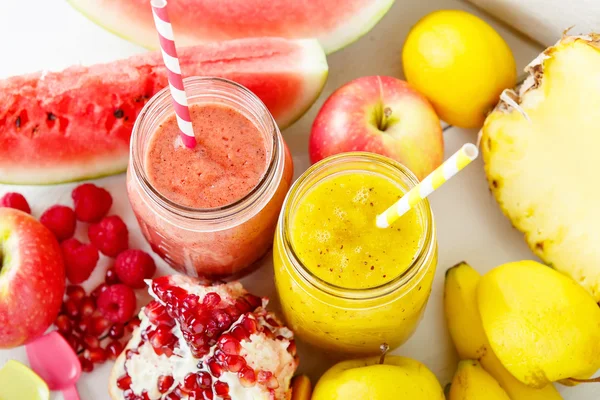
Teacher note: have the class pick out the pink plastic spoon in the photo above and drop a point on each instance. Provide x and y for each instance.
(51, 357)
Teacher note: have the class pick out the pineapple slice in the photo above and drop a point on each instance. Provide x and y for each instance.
(541, 148)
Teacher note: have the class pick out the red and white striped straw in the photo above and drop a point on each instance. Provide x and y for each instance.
(169, 54)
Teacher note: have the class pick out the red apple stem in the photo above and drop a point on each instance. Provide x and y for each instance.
(383, 124)
(384, 349)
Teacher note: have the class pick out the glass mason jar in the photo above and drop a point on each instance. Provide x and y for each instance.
(353, 321)
(211, 242)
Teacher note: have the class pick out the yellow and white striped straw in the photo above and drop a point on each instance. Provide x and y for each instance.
(457, 161)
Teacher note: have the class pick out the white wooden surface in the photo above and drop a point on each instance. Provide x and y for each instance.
(48, 34)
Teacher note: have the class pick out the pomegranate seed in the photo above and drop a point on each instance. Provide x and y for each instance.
(190, 301)
(75, 292)
(214, 367)
(229, 344)
(91, 342)
(74, 341)
(271, 321)
(87, 307)
(96, 356)
(86, 365)
(207, 394)
(221, 388)
(247, 376)
(204, 380)
(124, 382)
(133, 323)
(98, 325)
(211, 300)
(240, 333)
(116, 331)
(157, 314)
(173, 396)
(235, 363)
(111, 277)
(71, 308)
(190, 384)
(82, 325)
(164, 383)
(113, 350)
(223, 319)
(63, 324)
(250, 325)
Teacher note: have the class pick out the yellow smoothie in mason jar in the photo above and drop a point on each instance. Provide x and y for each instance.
(345, 284)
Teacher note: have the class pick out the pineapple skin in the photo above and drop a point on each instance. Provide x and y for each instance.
(542, 160)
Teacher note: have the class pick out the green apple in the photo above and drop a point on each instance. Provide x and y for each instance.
(376, 378)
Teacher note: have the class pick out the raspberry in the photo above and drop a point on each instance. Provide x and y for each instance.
(91, 202)
(80, 259)
(110, 235)
(117, 303)
(132, 266)
(60, 220)
(15, 200)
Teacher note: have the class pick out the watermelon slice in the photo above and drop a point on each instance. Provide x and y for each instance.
(335, 23)
(75, 124)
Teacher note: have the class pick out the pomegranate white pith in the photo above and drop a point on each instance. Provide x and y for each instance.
(205, 342)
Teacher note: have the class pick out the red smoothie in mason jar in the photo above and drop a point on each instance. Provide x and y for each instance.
(228, 161)
(211, 210)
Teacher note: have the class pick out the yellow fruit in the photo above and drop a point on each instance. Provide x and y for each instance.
(466, 330)
(543, 169)
(541, 324)
(460, 63)
(471, 382)
(366, 379)
(301, 388)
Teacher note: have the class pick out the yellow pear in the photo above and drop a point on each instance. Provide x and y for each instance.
(542, 325)
(471, 382)
(368, 379)
(466, 331)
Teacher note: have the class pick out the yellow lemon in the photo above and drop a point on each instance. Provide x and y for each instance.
(460, 63)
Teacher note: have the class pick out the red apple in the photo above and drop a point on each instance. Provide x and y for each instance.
(382, 115)
(32, 278)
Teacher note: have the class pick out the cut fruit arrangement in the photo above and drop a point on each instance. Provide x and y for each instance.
(517, 329)
(78, 122)
(199, 341)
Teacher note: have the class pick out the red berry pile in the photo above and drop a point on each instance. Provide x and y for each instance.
(96, 325)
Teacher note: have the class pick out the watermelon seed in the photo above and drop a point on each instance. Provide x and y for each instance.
(51, 117)
(18, 122)
(118, 113)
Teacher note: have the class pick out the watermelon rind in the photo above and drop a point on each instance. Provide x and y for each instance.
(356, 27)
(111, 19)
(91, 169)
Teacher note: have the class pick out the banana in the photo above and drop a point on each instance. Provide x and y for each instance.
(466, 330)
(471, 382)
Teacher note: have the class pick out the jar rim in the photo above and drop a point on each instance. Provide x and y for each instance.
(229, 210)
(404, 280)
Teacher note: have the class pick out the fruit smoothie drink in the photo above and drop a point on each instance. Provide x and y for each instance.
(209, 211)
(345, 284)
